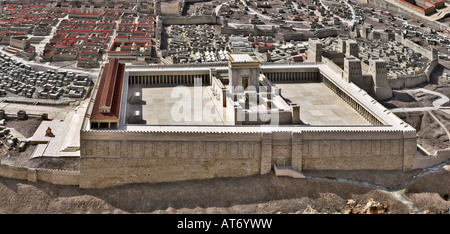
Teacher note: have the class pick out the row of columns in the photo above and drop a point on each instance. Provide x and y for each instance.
(99, 125)
(166, 79)
(350, 101)
(292, 76)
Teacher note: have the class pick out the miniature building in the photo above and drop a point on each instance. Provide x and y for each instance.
(107, 103)
(314, 50)
(353, 71)
(20, 45)
(129, 133)
(172, 145)
(20, 42)
(422, 6)
(377, 68)
(342, 45)
(352, 49)
(250, 104)
(243, 72)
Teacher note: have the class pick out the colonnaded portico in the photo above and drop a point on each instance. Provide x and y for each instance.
(323, 122)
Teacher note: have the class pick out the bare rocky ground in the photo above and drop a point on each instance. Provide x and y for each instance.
(261, 194)
(430, 134)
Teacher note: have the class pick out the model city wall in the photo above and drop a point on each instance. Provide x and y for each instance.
(110, 158)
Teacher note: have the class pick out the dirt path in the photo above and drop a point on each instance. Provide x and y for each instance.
(436, 104)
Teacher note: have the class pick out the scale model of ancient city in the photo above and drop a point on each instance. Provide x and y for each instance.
(98, 93)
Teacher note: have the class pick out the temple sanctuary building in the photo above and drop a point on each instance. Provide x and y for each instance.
(231, 119)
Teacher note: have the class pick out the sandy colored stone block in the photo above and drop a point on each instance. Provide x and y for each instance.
(346, 148)
(122, 148)
(114, 149)
(325, 149)
(356, 148)
(185, 149)
(149, 149)
(376, 148)
(314, 148)
(305, 148)
(395, 147)
(335, 149)
(173, 149)
(209, 149)
(159, 149)
(386, 147)
(138, 149)
(90, 148)
(366, 148)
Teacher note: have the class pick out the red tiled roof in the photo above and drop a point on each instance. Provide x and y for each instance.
(111, 75)
(420, 8)
(109, 92)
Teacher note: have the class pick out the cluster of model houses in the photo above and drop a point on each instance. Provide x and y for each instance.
(85, 37)
(318, 17)
(19, 79)
(133, 40)
(196, 43)
(81, 40)
(27, 19)
(401, 60)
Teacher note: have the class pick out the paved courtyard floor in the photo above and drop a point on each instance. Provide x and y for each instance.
(180, 105)
(319, 105)
(188, 105)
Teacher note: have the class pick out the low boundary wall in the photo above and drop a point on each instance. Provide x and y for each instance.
(36, 174)
(431, 160)
(408, 81)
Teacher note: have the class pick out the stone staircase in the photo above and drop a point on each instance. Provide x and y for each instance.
(11, 49)
(72, 142)
(287, 171)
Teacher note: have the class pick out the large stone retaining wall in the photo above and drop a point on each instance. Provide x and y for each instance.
(132, 157)
(110, 158)
(357, 150)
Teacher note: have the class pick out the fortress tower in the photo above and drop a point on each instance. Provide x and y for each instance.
(314, 50)
(342, 45)
(378, 70)
(352, 71)
(352, 49)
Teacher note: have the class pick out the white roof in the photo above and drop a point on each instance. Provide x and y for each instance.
(241, 57)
